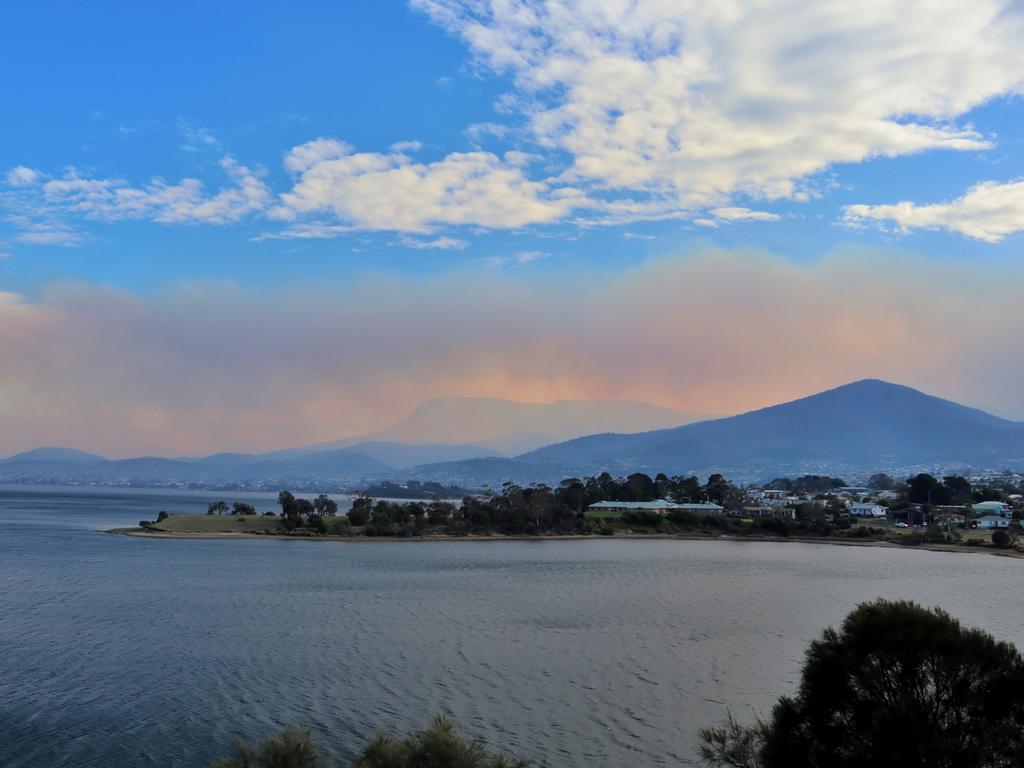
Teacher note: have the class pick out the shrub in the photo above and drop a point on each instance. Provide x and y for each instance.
(293, 747)
(440, 745)
(897, 686)
(1001, 539)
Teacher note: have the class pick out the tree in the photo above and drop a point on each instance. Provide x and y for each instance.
(286, 500)
(925, 489)
(217, 508)
(290, 511)
(241, 508)
(325, 506)
(359, 514)
(733, 745)
(958, 489)
(881, 482)
(898, 686)
(162, 516)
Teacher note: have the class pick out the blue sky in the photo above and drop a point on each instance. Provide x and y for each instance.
(150, 148)
(166, 90)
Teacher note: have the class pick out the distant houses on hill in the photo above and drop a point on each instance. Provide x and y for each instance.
(850, 502)
(867, 509)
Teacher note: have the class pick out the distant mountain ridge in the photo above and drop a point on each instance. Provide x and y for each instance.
(63, 455)
(509, 427)
(866, 424)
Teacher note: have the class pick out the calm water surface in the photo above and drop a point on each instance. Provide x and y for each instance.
(120, 652)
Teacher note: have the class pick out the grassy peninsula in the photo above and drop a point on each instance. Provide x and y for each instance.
(814, 509)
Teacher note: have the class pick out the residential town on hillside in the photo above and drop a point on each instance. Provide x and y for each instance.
(871, 504)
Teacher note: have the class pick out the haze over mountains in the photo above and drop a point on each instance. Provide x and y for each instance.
(448, 429)
(851, 430)
(509, 428)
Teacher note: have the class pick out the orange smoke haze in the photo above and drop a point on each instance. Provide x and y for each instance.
(210, 367)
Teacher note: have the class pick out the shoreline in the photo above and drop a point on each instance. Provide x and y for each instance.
(949, 548)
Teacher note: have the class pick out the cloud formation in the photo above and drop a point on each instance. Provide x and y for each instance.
(206, 367)
(988, 211)
(45, 210)
(697, 103)
(391, 192)
(624, 111)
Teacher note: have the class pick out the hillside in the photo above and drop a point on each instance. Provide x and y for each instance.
(55, 455)
(868, 424)
(510, 427)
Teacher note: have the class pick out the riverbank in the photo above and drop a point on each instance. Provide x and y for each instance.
(931, 547)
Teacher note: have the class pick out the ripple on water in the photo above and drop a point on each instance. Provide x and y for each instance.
(124, 653)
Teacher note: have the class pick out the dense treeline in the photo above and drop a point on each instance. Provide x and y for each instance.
(562, 510)
(545, 510)
(541, 509)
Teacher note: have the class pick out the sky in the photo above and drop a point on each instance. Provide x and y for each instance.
(243, 226)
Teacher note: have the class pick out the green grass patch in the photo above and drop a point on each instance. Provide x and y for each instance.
(218, 524)
(602, 514)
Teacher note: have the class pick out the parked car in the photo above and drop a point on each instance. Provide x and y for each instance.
(902, 525)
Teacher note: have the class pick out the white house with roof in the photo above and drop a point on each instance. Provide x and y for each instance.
(867, 509)
(992, 521)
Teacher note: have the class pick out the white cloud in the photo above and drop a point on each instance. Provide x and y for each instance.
(390, 192)
(305, 156)
(519, 257)
(196, 138)
(743, 214)
(20, 176)
(525, 257)
(438, 243)
(43, 213)
(48, 234)
(684, 105)
(406, 146)
(634, 110)
(988, 211)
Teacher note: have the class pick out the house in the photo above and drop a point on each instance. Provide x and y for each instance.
(659, 507)
(785, 513)
(867, 509)
(983, 508)
(705, 508)
(771, 496)
(992, 521)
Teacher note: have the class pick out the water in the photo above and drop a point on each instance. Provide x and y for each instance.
(122, 652)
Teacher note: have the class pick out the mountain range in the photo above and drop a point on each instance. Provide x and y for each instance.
(489, 426)
(851, 430)
(450, 429)
(860, 426)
